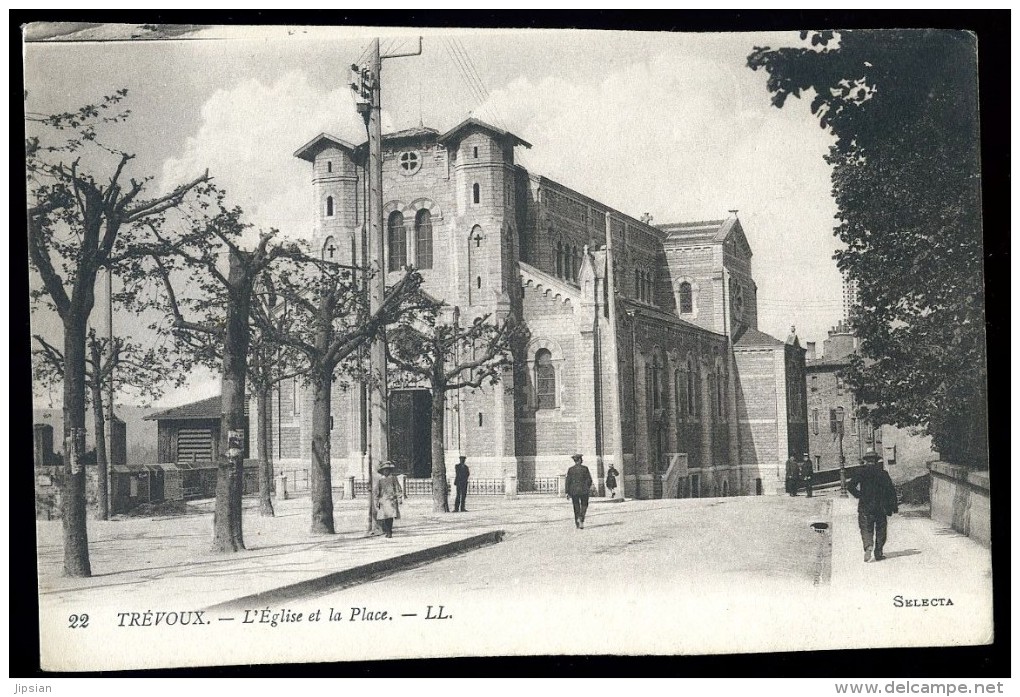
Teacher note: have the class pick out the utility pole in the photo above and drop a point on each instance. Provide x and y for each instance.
(368, 85)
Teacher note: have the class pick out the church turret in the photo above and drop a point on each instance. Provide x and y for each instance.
(334, 180)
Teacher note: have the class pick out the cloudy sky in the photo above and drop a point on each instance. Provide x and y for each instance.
(671, 124)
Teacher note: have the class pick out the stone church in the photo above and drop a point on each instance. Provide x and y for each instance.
(686, 397)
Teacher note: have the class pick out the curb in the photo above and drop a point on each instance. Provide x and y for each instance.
(361, 574)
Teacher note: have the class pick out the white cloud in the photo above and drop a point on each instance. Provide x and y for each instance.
(247, 138)
(689, 139)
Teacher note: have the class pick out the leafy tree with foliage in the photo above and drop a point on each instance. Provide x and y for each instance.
(108, 366)
(902, 106)
(434, 349)
(82, 217)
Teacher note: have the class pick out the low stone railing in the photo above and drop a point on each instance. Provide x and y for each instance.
(960, 498)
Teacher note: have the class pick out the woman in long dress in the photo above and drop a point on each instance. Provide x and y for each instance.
(387, 497)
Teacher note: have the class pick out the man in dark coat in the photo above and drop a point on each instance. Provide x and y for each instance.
(579, 483)
(807, 473)
(792, 475)
(460, 480)
(876, 501)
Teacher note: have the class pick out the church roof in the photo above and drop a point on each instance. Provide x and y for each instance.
(707, 231)
(210, 408)
(751, 337)
(473, 123)
(418, 133)
(309, 150)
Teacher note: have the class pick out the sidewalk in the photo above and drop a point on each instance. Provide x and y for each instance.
(925, 561)
(137, 562)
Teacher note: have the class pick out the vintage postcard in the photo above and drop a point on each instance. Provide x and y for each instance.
(377, 343)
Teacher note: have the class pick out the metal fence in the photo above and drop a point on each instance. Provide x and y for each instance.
(418, 487)
(297, 479)
(538, 485)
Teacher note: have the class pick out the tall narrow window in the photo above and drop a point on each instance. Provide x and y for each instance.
(297, 398)
(676, 394)
(656, 383)
(423, 239)
(559, 259)
(397, 239)
(691, 390)
(329, 206)
(637, 284)
(575, 262)
(329, 165)
(545, 380)
(814, 421)
(475, 155)
(476, 193)
(686, 299)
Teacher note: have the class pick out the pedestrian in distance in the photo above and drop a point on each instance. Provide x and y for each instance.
(611, 476)
(388, 495)
(579, 483)
(876, 501)
(792, 475)
(460, 481)
(807, 473)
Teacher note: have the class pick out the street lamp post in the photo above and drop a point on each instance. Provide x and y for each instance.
(840, 414)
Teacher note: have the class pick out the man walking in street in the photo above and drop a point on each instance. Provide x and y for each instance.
(876, 501)
(460, 481)
(579, 483)
(807, 472)
(792, 475)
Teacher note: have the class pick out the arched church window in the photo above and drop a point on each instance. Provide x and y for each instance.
(329, 206)
(329, 165)
(637, 284)
(396, 237)
(545, 380)
(559, 259)
(423, 239)
(476, 193)
(685, 299)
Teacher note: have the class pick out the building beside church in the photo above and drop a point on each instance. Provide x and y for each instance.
(905, 452)
(702, 402)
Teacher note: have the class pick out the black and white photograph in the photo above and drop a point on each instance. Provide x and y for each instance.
(378, 343)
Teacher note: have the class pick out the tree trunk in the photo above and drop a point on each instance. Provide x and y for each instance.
(265, 422)
(227, 521)
(102, 481)
(440, 499)
(72, 499)
(322, 486)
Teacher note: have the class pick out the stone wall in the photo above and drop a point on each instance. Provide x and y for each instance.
(960, 499)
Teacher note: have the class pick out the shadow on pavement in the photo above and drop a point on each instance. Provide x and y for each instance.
(902, 553)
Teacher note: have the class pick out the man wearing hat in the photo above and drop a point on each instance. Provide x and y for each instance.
(876, 501)
(387, 497)
(579, 483)
(460, 480)
(792, 475)
(807, 472)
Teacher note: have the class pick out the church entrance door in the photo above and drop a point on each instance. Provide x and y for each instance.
(410, 432)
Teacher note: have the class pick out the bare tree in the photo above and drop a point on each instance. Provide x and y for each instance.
(332, 321)
(108, 365)
(81, 221)
(269, 364)
(219, 302)
(437, 351)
